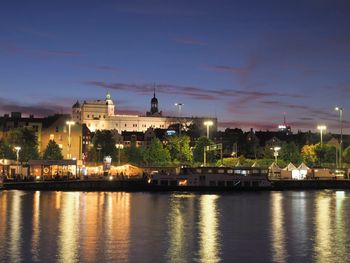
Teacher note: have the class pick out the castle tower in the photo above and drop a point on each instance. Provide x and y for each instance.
(110, 104)
(154, 106)
(154, 103)
(76, 112)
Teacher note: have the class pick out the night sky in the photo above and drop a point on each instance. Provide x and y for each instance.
(245, 62)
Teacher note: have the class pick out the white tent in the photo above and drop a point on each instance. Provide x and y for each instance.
(289, 172)
(303, 171)
(274, 171)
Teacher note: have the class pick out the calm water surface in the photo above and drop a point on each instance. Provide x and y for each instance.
(293, 226)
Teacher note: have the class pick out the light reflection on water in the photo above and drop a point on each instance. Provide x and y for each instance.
(278, 241)
(15, 226)
(290, 226)
(68, 228)
(35, 249)
(208, 230)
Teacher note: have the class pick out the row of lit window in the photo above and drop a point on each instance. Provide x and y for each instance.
(134, 125)
(93, 116)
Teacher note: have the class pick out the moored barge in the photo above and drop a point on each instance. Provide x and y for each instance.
(212, 178)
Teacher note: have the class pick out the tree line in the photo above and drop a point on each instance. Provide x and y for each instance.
(173, 150)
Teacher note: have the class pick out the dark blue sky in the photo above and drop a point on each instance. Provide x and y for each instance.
(246, 62)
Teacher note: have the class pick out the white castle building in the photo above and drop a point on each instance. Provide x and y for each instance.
(102, 115)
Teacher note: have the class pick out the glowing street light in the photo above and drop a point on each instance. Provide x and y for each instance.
(321, 128)
(179, 107)
(341, 133)
(275, 152)
(17, 148)
(69, 123)
(119, 146)
(208, 124)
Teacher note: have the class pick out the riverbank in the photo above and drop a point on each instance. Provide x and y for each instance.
(132, 185)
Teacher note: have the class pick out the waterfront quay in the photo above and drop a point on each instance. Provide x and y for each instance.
(143, 185)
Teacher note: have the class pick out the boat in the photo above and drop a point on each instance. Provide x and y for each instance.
(212, 178)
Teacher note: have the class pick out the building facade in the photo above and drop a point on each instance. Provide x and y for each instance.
(101, 115)
(56, 128)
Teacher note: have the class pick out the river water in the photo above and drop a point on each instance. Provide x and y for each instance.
(289, 226)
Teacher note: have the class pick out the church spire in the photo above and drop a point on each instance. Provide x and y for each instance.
(108, 95)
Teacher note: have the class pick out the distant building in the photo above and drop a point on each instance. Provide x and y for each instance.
(285, 128)
(100, 115)
(50, 128)
(15, 120)
(55, 128)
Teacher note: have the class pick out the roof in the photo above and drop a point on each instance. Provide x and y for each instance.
(274, 166)
(76, 105)
(303, 166)
(289, 167)
(52, 162)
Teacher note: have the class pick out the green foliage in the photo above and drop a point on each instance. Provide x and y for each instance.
(133, 155)
(229, 162)
(232, 162)
(325, 153)
(308, 154)
(28, 142)
(6, 151)
(266, 162)
(155, 154)
(268, 152)
(52, 151)
(346, 155)
(103, 145)
(198, 151)
(290, 153)
(179, 149)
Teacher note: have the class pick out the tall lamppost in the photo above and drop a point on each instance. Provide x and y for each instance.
(321, 128)
(208, 124)
(341, 133)
(99, 148)
(17, 148)
(179, 106)
(69, 123)
(119, 146)
(275, 152)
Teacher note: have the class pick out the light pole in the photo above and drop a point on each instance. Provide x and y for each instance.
(179, 106)
(208, 124)
(119, 146)
(275, 152)
(99, 148)
(17, 148)
(321, 128)
(69, 123)
(341, 133)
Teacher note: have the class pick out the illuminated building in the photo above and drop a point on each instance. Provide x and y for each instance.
(285, 128)
(55, 128)
(101, 115)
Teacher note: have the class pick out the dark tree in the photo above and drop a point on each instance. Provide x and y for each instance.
(52, 151)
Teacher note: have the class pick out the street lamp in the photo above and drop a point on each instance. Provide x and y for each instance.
(99, 148)
(321, 128)
(179, 106)
(119, 146)
(275, 152)
(341, 133)
(208, 124)
(17, 148)
(69, 123)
